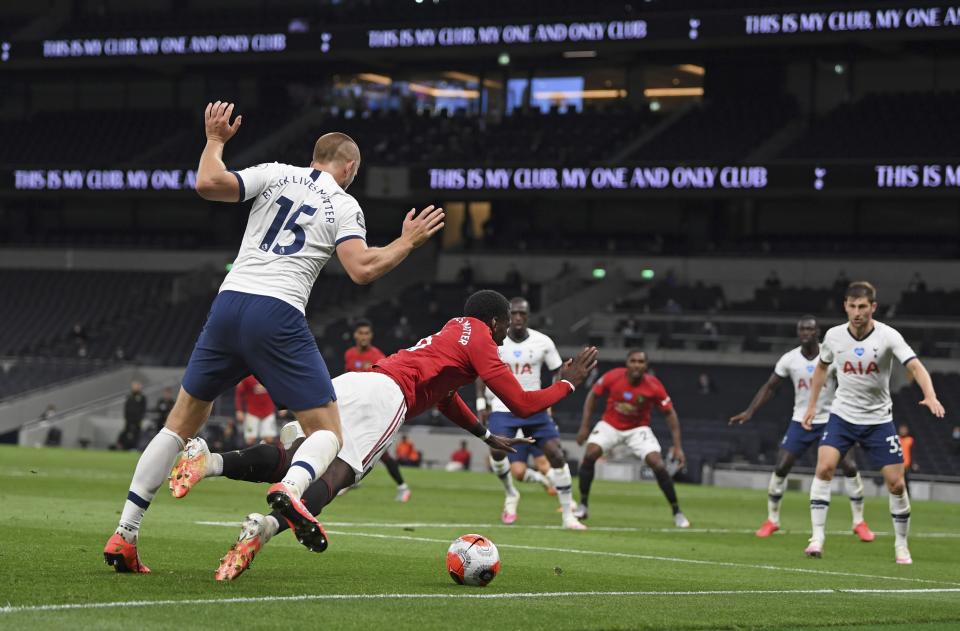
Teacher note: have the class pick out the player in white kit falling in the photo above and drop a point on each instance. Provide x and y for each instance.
(798, 365)
(862, 410)
(526, 351)
(301, 216)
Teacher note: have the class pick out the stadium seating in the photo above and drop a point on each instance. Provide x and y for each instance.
(915, 125)
(720, 130)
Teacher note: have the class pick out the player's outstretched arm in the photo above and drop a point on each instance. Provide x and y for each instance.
(588, 407)
(673, 422)
(365, 264)
(455, 409)
(214, 182)
(816, 385)
(764, 394)
(922, 377)
(525, 403)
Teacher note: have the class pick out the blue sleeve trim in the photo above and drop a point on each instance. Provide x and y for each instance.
(243, 189)
(909, 359)
(348, 237)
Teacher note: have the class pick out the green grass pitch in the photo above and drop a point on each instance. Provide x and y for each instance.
(385, 565)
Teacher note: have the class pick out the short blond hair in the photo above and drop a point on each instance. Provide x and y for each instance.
(335, 147)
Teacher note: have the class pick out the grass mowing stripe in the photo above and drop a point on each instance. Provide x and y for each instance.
(648, 557)
(712, 531)
(308, 597)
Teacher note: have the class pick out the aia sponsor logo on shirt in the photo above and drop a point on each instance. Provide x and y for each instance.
(860, 368)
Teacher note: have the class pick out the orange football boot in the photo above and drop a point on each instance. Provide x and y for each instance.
(123, 556)
(305, 526)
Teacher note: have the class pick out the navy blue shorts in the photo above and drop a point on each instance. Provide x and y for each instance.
(267, 337)
(540, 427)
(798, 440)
(524, 452)
(879, 441)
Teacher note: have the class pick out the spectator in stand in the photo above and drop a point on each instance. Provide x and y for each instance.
(956, 438)
(255, 411)
(407, 454)
(773, 280)
(513, 278)
(465, 275)
(917, 284)
(673, 307)
(906, 444)
(841, 283)
(134, 411)
(460, 459)
(164, 405)
(705, 384)
(49, 412)
(80, 334)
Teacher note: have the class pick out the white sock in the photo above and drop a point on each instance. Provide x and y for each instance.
(561, 481)
(535, 476)
(152, 469)
(819, 504)
(311, 460)
(502, 470)
(854, 488)
(900, 511)
(214, 466)
(775, 496)
(272, 525)
(402, 487)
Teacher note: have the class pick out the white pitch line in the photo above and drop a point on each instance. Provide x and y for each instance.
(474, 596)
(624, 555)
(712, 531)
(648, 557)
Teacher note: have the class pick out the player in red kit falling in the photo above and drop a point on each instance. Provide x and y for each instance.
(631, 394)
(255, 411)
(361, 358)
(373, 407)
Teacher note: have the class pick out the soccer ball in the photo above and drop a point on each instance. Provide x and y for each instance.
(473, 560)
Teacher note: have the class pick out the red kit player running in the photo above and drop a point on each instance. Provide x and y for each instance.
(373, 407)
(255, 411)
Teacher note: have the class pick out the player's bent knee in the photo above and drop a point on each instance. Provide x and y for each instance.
(897, 487)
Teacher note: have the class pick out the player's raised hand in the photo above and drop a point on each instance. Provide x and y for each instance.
(216, 121)
(419, 228)
(935, 407)
(502, 443)
(740, 419)
(577, 369)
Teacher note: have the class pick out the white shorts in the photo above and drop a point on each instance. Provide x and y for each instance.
(256, 428)
(640, 440)
(372, 409)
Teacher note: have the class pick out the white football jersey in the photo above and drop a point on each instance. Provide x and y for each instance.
(863, 371)
(297, 220)
(525, 360)
(798, 369)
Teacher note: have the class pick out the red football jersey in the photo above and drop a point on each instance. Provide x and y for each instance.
(628, 406)
(252, 398)
(430, 372)
(355, 360)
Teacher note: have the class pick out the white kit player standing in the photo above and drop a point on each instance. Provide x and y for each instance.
(525, 352)
(862, 410)
(301, 216)
(798, 366)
